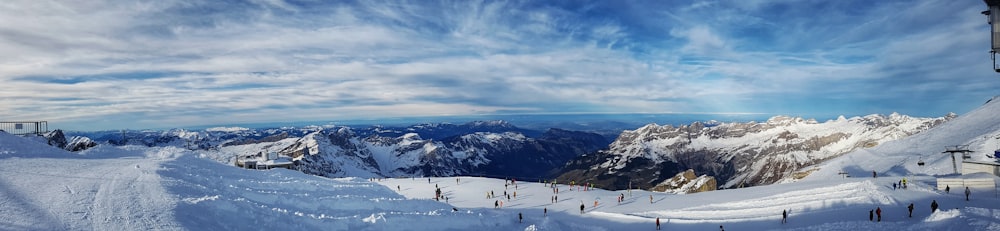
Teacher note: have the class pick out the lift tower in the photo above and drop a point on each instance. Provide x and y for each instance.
(993, 15)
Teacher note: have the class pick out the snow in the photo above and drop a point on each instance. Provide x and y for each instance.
(979, 129)
(170, 188)
(226, 129)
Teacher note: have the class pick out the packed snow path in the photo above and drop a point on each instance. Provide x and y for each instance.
(97, 194)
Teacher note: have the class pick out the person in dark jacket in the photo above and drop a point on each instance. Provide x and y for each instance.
(934, 206)
(911, 209)
(871, 215)
(519, 217)
(967, 192)
(581, 208)
(657, 223)
(784, 216)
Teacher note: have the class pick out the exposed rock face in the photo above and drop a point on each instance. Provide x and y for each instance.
(75, 144)
(507, 154)
(686, 182)
(79, 143)
(56, 138)
(736, 154)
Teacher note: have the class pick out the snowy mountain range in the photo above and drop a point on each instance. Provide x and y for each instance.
(727, 154)
(736, 154)
(178, 187)
(483, 148)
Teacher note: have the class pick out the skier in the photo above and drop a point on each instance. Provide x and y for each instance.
(871, 215)
(557, 198)
(893, 186)
(784, 216)
(545, 212)
(496, 204)
(874, 174)
(657, 223)
(398, 188)
(967, 192)
(904, 183)
(519, 217)
(947, 189)
(934, 206)
(721, 229)
(650, 199)
(878, 212)
(515, 194)
(581, 208)
(911, 209)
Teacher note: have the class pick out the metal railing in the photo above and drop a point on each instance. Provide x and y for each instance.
(25, 127)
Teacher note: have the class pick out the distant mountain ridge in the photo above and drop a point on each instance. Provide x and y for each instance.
(736, 154)
(486, 148)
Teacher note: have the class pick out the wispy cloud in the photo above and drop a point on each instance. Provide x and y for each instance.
(108, 65)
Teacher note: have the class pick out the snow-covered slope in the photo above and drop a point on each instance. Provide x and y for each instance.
(979, 129)
(737, 154)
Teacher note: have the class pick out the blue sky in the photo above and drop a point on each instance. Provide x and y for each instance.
(94, 65)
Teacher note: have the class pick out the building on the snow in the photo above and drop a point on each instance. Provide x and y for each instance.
(263, 160)
(973, 166)
(979, 180)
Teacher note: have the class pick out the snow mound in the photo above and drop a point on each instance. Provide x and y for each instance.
(943, 215)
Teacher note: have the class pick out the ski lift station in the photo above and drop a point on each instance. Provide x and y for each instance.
(263, 160)
(976, 174)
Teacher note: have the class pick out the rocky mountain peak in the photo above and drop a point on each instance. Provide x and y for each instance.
(748, 153)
